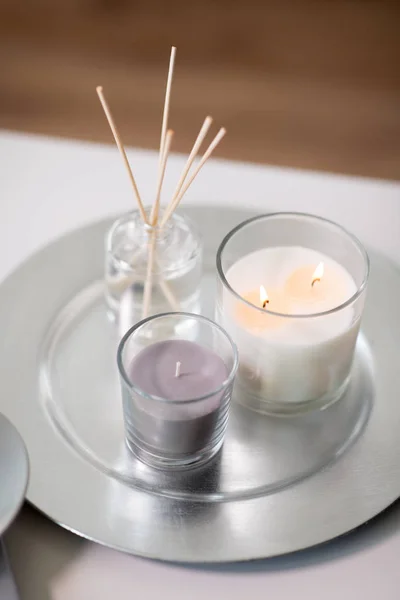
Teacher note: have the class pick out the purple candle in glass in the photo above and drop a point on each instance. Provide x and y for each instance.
(178, 370)
(176, 391)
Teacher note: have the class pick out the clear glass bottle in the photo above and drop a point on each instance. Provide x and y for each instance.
(150, 270)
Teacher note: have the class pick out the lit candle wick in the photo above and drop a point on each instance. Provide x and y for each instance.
(319, 271)
(263, 296)
(178, 369)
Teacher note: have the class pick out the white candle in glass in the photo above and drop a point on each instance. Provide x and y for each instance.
(299, 355)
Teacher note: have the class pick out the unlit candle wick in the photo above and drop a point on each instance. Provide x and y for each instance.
(178, 369)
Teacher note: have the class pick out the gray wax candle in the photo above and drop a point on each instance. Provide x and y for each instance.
(176, 371)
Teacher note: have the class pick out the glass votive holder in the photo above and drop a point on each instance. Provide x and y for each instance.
(149, 270)
(176, 391)
(291, 290)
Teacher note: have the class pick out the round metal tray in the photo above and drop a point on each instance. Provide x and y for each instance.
(276, 487)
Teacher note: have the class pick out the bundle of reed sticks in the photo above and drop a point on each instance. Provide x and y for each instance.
(153, 220)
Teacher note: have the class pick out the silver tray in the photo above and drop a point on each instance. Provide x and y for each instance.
(277, 486)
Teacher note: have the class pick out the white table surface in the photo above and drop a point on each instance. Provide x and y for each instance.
(48, 187)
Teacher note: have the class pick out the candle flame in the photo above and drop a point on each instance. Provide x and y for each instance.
(264, 300)
(318, 273)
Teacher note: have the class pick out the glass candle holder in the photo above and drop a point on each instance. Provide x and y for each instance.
(151, 270)
(176, 391)
(291, 290)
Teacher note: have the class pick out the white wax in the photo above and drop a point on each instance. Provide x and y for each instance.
(288, 359)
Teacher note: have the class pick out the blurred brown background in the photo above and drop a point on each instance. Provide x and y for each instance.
(305, 83)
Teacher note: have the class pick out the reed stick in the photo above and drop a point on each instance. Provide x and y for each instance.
(175, 201)
(121, 149)
(169, 296)
(192, 156)
(153, 234)
(148, 286)
(161, 173)
(122, 285)
(156, 205)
